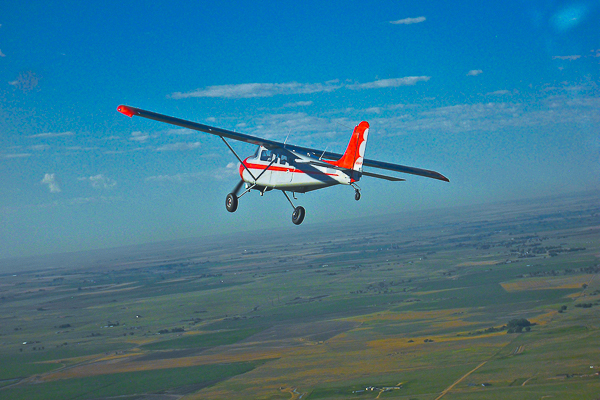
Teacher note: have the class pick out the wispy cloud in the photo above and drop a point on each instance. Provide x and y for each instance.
(176, 178)
(387, 83)
(569, 58)
(408, 21)
(15, 155)
(138, 136)
(99, 181)
(254, 90)
(2, 54)
(39, 147)
(222, 173)
(26, 81)
(50, 180)
(80, 148)
(557, 107)
(500, 93)
(181, 146)
(52, 134)
(249, 90)
(299, 104)
(474, 72)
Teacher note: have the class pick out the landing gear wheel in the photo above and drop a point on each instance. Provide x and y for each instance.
(357, 195)
(231, 202)
(298, 215)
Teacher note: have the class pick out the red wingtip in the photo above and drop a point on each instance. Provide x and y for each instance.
(125, 110)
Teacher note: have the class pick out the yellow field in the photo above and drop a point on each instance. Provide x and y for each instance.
(543, 283)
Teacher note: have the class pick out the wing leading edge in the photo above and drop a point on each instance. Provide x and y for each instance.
(131, 111)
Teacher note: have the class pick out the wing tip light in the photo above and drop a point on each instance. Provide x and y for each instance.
(125, 110)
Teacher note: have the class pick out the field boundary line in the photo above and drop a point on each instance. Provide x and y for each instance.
(449, 388)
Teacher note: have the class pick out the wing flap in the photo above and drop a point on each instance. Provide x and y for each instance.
(386, 177)
(407, 170)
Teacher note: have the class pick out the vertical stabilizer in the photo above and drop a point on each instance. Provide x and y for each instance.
(355, 152)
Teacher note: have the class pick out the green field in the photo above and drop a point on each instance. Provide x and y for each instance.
(409, 306)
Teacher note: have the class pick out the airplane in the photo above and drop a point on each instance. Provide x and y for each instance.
(291, 168)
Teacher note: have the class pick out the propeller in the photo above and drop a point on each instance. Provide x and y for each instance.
(236, 189)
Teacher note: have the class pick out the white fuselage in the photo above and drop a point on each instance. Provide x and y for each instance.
(291, 172)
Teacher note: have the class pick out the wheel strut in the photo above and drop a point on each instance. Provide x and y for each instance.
(299, 212)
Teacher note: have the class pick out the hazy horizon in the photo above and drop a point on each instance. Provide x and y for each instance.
(500, 97)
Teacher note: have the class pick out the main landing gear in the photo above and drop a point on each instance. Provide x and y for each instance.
(231, 204)
(231, 201)
(298, 215)
(299, 212)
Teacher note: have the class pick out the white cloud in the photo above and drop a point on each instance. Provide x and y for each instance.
(2, 54)
(254, 90)
(474, 72)
(222, 173)
(181, 146)
(99, 181)
(408, 21)
(80, 148)
(250, 90)
(52, 134)
(138, 136)
(15, 155)
(50, 180)
(558, 107)
(386, 83)
(500, 93)
(39, 147)
(177, 178)
(569, 58)
(299, 104)
(227, 172)
(180, 131)
(26, 81)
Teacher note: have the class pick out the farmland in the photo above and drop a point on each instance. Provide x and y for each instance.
(411, 306)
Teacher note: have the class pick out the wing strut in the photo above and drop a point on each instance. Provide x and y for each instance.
(247, 169)
(239, 159)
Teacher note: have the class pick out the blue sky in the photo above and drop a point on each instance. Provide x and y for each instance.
(501, 97)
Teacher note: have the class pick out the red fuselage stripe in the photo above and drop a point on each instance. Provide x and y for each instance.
(283, 169)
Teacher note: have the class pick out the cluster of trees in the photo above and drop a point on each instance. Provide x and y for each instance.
(519, 325)
(585, 305)
(173, 330)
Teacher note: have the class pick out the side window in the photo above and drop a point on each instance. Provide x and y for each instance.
(265, 155)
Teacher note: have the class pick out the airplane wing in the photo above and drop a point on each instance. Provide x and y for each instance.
(271, 144)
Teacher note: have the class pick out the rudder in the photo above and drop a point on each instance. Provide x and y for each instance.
(355, 152)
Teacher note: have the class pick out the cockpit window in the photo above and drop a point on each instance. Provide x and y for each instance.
(266, 155)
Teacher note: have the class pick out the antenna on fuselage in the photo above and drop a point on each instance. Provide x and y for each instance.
(324, 151)
(286, 138)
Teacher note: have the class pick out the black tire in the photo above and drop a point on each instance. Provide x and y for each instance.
(298, 215)
(357, 195)
(231, 202)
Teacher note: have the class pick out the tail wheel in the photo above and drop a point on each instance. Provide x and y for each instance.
(231, 202)
(357, 195)
(298, 215)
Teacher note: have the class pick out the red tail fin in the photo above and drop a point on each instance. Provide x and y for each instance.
(355, 152)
